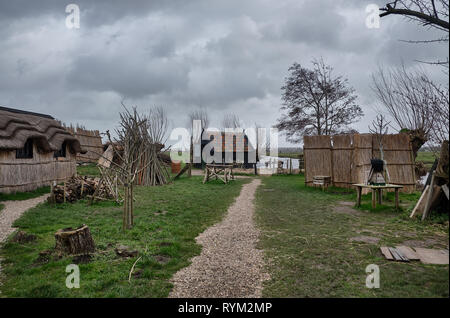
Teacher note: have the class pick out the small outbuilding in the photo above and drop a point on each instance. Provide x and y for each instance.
(228, 147)
(35, 150)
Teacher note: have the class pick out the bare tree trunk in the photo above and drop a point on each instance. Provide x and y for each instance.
(418, 139)
(128, 206)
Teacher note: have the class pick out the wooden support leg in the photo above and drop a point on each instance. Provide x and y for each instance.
(358, 196)
(374, 202)
(205, 179)
(396, 198)
(380, 193)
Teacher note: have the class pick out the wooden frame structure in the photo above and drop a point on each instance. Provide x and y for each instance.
(223, 172)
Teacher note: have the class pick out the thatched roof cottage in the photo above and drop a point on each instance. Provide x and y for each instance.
(34, 151)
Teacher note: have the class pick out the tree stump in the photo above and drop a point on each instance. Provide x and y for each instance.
(74, 241)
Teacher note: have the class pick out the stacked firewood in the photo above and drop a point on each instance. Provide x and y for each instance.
(77, 188)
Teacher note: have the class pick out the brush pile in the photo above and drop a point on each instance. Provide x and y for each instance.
(78, 188)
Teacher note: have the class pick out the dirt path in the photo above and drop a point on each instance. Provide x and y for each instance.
(12, 211)
(229, 265)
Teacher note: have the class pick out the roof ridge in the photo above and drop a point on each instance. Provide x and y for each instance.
(25, 112)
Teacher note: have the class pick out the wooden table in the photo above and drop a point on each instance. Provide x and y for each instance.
(223, 172)
(376, 189)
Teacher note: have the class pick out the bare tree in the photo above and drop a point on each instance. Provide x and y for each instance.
(137, 145)
(410, 98)
(199, 114)
(429, 13)
(231, 120)
(440, 128)
(316, 102)
(129, 148)
(380, 128)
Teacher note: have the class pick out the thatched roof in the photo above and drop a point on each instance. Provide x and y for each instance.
(16, 126)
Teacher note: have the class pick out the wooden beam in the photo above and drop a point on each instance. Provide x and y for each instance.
(420, 204)
(430, 194)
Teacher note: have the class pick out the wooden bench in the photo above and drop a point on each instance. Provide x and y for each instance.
(322, 181)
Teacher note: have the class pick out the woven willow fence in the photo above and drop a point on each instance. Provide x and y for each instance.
(91, 141)
(346, 158)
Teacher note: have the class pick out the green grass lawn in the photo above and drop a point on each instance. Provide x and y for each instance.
(293, 155)
(90, 170)
(427, 157)
(308, 248)
(167, 220)
(24, 195)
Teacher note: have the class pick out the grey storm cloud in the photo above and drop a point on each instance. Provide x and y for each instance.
(225, 56)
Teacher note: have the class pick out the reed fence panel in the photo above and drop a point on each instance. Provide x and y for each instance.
(346, 158)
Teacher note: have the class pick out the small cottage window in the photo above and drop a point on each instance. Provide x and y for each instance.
(61, 153)
(26, 152)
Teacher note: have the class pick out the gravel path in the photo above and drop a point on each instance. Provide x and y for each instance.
(229, 264)
(12, 211)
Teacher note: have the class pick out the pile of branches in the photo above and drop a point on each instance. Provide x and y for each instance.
(139, 149)
(77, 188)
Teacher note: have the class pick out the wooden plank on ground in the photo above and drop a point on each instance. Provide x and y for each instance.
(408, 252)
(432, 256)
(387, 254)
(398, 255)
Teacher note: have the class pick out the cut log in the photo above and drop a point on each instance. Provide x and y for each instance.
(74, 241)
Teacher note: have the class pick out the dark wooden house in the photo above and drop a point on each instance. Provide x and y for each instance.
(231, 147)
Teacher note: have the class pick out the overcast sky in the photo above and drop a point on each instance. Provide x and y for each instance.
(225, 56)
